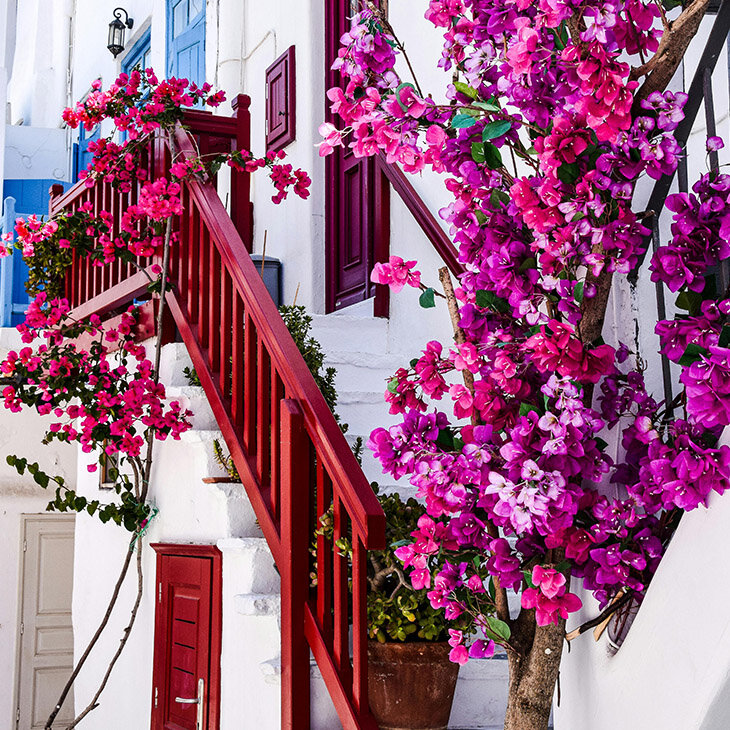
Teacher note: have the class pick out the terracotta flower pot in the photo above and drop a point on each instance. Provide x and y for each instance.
(411, 686)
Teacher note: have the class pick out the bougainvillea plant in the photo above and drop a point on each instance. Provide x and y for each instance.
(94, 380)
(556, 109)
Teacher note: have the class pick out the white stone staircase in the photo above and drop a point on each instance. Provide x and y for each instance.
(221, 512)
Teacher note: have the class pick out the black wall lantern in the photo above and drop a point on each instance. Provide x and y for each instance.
(116, 31)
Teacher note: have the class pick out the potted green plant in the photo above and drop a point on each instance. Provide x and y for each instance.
(411, 681)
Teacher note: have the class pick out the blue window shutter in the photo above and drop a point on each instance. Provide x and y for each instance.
(82, 155)
(186, 40)
(23, 198)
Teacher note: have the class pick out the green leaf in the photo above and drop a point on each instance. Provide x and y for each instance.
(530, 263)
(526, 408)
(528, 577)
(724, 336)
(489, 300)
(427, 299)
(445, 439)
(462, 121)
(465, 89)
(496, 129)
(693, 353)
(492, 156)
(601, 444)
(689, 300)
(393, 385)
(496, 197)
(477, 152)
(578, 292)
(499, 629)
(489, 106)
(569, 173)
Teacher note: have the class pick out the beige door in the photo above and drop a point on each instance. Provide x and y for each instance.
(45, 656)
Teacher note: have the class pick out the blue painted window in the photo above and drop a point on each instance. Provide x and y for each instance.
(139, 55)
(82, 154)
(186, 40)
(22, 198)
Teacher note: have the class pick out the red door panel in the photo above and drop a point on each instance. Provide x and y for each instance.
(351, 209)
(187, 637)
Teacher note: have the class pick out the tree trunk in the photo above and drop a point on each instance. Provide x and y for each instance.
(533, 669)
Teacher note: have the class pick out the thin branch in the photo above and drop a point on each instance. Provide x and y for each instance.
(105, 620)
(122, 643)
(606, 613)
(389, 28)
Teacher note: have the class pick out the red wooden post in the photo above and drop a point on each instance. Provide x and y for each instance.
(241, 205)
(381, 247)
(295, 568)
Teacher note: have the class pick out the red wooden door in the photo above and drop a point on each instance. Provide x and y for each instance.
(350, 193)
(187, 638)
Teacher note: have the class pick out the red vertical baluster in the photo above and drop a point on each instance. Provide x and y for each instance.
(341, 595)
(106, 281)
(239, 356)
(203, 283)
(263, 413)
(359, 624)
(277, 393)
(249, 385)
(193, 267)
(241, 209)
(214, 309)
(98, 191)
(295, 535)
(182, 274)
(324, 553)
(226, 333)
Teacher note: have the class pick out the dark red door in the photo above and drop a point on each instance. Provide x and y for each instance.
(187, 638)
(350, 193)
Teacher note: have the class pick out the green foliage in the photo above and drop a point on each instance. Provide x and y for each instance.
(129, 513)
(225, 461)
(192, 376)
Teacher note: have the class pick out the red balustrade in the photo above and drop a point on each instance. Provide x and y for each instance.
(293, 459)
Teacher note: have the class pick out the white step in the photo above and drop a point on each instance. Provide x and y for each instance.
(340, 332)
(192, 398)
(258, 604)
(364, 370)
(174, 359)
(365, 411)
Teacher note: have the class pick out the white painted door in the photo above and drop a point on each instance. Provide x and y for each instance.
(45, 656)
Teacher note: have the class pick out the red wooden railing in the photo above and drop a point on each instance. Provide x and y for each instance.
(291, 455)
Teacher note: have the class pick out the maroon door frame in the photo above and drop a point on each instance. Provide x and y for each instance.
(357, 211)
(213, 562)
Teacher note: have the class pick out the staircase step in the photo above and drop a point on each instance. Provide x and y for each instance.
(258, 604)
(192, 398)
(363, 370)
(255, 571)
(364, 411)
(340, 332)
(174, 360)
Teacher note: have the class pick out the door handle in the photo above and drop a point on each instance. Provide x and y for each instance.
(196, 701)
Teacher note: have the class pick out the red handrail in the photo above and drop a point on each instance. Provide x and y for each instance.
(293, 459)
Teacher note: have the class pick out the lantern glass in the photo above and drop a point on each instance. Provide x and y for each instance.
(116, 37)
